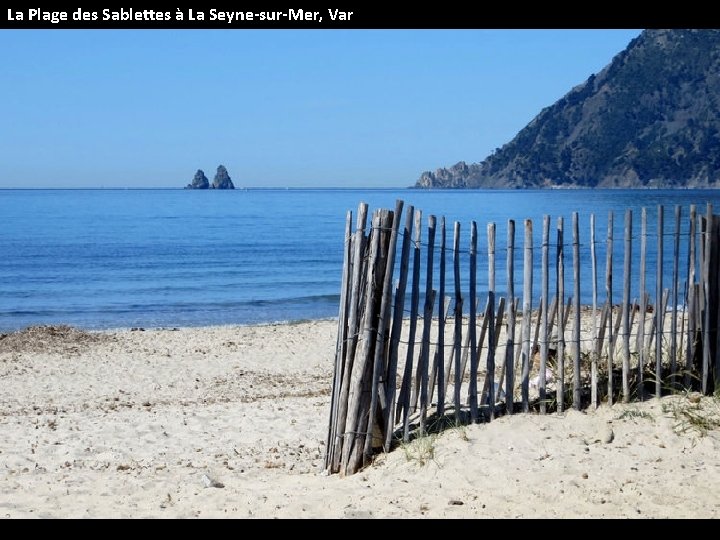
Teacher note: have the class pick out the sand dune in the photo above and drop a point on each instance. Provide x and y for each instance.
(231, 422)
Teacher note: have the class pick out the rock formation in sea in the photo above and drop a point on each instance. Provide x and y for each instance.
(200, 181)
(222, 179)
(651, 118)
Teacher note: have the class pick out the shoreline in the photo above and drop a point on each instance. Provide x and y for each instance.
(584, 308)
(231, 422)
(168, 328)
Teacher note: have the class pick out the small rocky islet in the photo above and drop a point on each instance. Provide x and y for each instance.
(222, 180)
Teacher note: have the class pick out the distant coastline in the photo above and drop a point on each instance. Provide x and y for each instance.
(362, 188)
(648, 120)
(569, 188)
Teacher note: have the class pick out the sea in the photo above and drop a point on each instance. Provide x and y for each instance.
(124, 258)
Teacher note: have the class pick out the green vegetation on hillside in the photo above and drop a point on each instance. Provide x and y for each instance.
(649, 119)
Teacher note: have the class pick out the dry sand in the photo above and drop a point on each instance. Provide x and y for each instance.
(231, 422)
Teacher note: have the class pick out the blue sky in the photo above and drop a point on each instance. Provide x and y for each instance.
(279, 108)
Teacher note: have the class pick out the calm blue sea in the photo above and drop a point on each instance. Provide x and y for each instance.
(159, 258)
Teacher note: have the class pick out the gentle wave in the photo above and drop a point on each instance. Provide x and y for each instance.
(176, 313)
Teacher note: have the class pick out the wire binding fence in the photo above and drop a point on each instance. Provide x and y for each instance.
(401, 371)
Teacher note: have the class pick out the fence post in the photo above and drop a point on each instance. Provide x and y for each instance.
(643, 306)
(377, 390)
(492, 337)
(706, 296)
(527, 312)
(659, 315)
(439, 366)
(427, 324)
(715, 252)
(356, 424)
(626, 307)
(544, 286)
(341, 346)
(457, 335)
(406, 388)
(472, 325)
(561, 315)
(675, 299)
(690, 299)
(576, 307)
(594, 359)
(609, 294)
(397, 323)
(359, 244)
(510, 332)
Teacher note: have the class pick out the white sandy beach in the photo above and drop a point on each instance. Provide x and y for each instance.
(231, 422)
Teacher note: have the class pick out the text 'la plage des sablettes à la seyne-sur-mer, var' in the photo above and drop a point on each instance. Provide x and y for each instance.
(190, 15)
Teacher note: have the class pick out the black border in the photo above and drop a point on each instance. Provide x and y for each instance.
(507, 15)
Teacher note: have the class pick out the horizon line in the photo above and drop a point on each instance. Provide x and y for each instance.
(355, 188)
(173, 188)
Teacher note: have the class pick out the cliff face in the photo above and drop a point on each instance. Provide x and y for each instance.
(200, 181)
(649, 119)
(222, 179)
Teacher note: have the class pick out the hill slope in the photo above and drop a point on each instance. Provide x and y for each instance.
(649, 119)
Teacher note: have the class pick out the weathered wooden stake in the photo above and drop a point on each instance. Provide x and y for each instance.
(576, 308)
(593, 357)
(527, 312)
(544, 285)
(440, 354)
(341, 346)
(658, 296)
(358, 249)
(501, 382)
(378, 389)
(626, 307)
(675, 299)
(692, 321)
(397, 325)
(510, 330)
(356, 424)
(427, 324)
(492, 335)
(405, 390)
(707, 333)
(457, 339)
(472, 330)
(642, 357)
(561, 314)
(609, 294)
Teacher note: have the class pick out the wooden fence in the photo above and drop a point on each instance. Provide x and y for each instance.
(402, 371)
